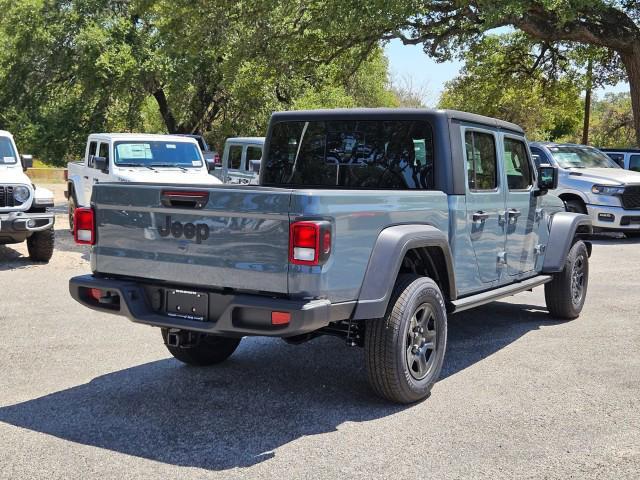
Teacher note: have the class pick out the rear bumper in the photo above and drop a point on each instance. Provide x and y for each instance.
(229, 314)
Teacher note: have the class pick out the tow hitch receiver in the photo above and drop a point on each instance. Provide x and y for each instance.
(182, 339)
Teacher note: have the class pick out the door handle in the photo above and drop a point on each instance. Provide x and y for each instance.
(86, 178)
(480, 216)
(513, 213)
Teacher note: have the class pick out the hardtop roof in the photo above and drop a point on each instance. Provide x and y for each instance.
(143, 136)
(400, 113)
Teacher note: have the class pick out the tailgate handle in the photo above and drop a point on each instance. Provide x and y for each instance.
(184, 198)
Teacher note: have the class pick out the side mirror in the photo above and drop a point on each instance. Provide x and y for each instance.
(27, 162)
(547, 178)
(100, 163)
(254, 166)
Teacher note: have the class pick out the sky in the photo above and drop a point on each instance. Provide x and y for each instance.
(410, 62)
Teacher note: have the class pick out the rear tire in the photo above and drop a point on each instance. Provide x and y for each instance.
(72, 209)
(566, 293)
(40, 245)
(209, 351)
(404, 351)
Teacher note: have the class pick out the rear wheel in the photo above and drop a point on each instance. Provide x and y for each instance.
(72, 209)
(404, 351)
(40, 245)
(566, 293)
(209, 350)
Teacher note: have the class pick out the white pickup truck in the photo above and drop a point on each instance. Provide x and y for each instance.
(240, 160)
(24, 208)
(132, 157)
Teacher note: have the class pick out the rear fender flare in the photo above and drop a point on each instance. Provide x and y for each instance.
(562, 232)
(385, 262)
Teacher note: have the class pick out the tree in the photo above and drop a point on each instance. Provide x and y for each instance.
(445, 26)
(612, 122)
(72, 67)
(510, 77)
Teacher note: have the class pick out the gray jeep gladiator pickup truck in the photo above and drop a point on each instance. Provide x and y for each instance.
(371, 225)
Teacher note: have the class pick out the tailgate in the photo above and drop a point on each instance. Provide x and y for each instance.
(239, 239)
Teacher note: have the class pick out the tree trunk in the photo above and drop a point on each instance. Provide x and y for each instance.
(165, 111)
(632, 64)
(587, 103)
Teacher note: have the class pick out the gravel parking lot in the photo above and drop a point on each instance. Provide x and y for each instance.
(88, 395)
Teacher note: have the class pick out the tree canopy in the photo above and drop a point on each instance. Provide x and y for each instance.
(502, 78)
(445, 27)
(68, 68)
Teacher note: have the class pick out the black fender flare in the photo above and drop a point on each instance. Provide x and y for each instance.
(562, 232)
(386, 259)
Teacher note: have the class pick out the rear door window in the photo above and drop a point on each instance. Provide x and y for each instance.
(254, 152)
(351, 154)
(517, 165)
(235, 157)
(482, 162)
(634, 163)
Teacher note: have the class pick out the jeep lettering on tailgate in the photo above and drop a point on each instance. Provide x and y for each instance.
(199, 231)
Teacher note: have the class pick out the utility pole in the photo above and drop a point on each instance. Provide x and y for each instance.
(587, 103)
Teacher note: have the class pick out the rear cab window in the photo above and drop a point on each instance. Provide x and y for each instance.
(351, 154)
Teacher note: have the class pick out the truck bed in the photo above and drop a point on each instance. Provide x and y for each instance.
(247, 245)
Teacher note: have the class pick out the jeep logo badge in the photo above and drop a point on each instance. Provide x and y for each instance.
(199, 231)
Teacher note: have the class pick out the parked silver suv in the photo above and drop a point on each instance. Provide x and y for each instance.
(591, 182)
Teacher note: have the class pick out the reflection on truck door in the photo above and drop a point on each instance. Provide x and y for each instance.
(520, 220)
(485, 203)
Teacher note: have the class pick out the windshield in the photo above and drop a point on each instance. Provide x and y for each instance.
(385, 154)
(7, 153)
(157, 154)
(581, 157)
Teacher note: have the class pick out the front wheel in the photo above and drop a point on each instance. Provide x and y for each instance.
(404, 351)
(210, 350)
(566, 292)
(40, 245)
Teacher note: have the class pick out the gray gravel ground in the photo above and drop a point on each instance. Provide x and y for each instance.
(87, 395)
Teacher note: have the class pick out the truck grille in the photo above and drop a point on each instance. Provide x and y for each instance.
(631, 197)
(6, 197)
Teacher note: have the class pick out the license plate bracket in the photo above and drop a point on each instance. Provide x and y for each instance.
(187, 304)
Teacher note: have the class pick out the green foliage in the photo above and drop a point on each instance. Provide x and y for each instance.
(612, 121)
(499, 80)
(69, 68)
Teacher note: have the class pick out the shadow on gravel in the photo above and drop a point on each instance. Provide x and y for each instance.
(11, 259)
(266, 395)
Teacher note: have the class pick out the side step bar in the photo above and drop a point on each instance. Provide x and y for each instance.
(492, 295)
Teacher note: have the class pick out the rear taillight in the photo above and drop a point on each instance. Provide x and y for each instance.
(217, 160)
(84, 226)
(309, 242)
